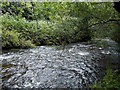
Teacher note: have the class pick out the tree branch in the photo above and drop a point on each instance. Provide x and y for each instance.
(102, 22)
(97, 23)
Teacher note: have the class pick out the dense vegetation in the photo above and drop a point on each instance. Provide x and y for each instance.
(26, 24)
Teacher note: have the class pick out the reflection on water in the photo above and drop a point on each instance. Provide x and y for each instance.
(75, 66)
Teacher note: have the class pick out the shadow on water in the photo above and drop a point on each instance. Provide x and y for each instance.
(74, 66)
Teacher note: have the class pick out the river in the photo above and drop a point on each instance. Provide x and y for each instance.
(76, 65)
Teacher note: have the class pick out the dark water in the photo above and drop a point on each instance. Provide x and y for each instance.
(74, 66)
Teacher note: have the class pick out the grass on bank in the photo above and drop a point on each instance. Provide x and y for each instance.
(109, 81)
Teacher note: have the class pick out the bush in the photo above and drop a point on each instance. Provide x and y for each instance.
(42, 32)
(11, 39)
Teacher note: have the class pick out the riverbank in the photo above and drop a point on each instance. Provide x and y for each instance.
(18, 32)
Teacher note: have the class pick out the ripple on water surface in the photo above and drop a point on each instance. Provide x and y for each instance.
(75, 66)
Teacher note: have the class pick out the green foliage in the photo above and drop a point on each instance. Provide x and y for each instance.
(58, 22)
(10, 39)
(25, 24)
(115, 33)
(43, 32)
(23, 9)
(110, 80)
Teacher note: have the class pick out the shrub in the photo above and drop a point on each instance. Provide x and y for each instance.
(11, 39)
(43, 32)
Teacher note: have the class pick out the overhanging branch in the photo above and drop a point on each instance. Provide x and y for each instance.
(97, 23)
(102, 22)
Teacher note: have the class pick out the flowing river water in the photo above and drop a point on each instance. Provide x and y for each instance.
(75, 66)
